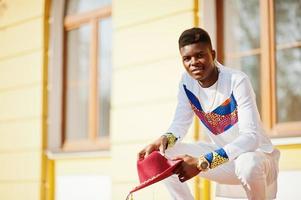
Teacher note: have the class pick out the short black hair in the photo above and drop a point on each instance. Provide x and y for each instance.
(194, 35)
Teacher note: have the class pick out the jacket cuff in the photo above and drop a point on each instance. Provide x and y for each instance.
(217, 158)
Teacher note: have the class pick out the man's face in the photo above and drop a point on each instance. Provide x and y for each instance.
(198, 60)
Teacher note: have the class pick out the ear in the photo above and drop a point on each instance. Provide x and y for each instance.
(213, 54)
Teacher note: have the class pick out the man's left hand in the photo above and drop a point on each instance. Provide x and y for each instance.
(188, 168)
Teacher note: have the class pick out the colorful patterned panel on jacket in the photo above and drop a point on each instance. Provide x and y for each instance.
(220, 119)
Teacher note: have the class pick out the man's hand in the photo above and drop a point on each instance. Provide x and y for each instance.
(188, 168)
(158, 145)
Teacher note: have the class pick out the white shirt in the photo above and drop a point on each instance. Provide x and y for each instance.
(227, 111)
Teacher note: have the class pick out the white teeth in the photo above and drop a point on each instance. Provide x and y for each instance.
(197, 70)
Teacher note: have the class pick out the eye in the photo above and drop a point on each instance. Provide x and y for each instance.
(186, 59)
(200, 55)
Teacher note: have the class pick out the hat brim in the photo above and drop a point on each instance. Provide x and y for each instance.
(168, 172)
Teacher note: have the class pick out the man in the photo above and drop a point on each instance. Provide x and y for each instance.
(224, 101)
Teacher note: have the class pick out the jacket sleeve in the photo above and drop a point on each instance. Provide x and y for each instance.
(248, 120)
(183, 115)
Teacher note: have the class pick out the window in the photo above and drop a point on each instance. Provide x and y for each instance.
(288, 60)
(242, 39)
(288, 66)
(261, 38)
(83, 76)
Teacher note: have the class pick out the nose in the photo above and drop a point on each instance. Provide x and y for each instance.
(194, 60)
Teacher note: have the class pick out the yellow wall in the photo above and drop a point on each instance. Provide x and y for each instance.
(21, 99)
(290, 158)
(146, 72)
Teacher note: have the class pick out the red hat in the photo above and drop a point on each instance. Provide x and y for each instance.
(154, 168)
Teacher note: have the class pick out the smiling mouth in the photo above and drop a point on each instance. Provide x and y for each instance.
(198, 70)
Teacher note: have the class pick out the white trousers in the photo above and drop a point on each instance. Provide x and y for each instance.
(256, 171)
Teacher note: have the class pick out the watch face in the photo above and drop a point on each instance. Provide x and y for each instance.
(204, 165)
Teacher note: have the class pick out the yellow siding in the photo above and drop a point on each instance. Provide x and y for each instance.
(20, 191)
(22, 70)
(126, 152)
(151, 78)
(139, 97)
(150, 42)
(290, 157)
(147, 68)
(142, 122)
(133, 12)
(21, 38)
(21, 135)
(20, 166)
(17, 11)
(21, 64)
(23, 103)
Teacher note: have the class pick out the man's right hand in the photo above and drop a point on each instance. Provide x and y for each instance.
(158, 145)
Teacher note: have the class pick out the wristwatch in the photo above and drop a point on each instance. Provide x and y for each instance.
(203, 164)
